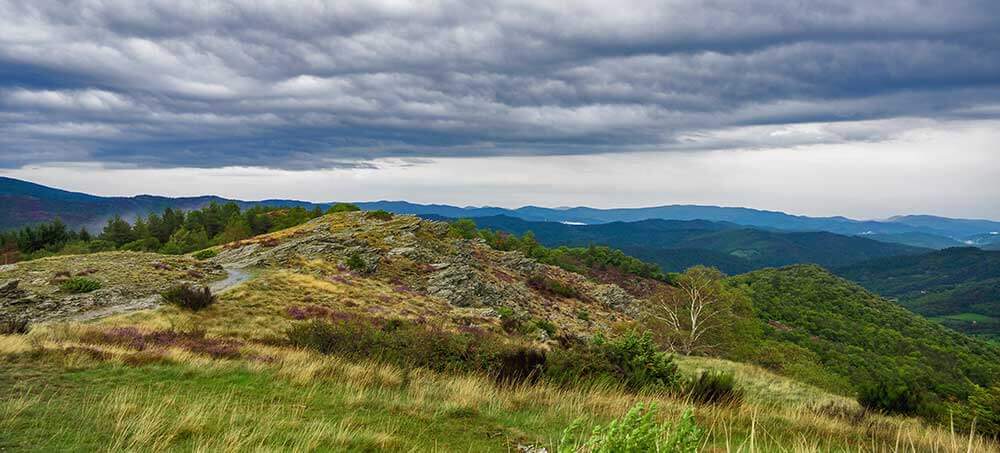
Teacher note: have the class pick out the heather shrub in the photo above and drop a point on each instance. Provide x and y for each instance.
(636, 432)
(546, 284)
(194, 341)
(714, 387)
(408, 344)
(14, 326)
(188, 297)
(77, 285)
(380, 214)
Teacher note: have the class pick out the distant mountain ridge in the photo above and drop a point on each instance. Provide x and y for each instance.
(675, 245)
(23, 203)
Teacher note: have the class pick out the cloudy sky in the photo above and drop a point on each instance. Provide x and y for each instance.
(850, 107)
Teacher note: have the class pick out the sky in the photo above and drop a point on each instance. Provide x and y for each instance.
(848, 107)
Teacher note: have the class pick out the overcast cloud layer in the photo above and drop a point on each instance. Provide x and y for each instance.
(310, 84)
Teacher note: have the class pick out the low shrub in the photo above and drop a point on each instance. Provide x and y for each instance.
(194, 341)
(205, 254)
(636, 432)
(343, 207)
(632, 359)
(892, 398)
(355, 263)
(546, 326)
(408, 344)
(714, 387)
(77, 285)
(380, 214)
(188, 297)
(14, 326)
(546, 284)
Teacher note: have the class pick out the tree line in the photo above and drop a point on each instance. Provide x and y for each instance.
(172, 231)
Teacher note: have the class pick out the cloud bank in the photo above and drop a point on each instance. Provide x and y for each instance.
(309, 84)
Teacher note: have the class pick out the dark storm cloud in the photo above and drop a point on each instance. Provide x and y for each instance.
(305, 84)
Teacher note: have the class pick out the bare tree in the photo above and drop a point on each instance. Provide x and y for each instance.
(695, 311)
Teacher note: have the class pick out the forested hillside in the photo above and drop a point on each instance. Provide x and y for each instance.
(830, 332)
(959, 287)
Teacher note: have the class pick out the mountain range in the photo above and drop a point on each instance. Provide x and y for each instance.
(675, 245)
(23, 203)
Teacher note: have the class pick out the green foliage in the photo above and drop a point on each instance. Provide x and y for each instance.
(343, 207)
(402, 343)
(77, 285)
(188, 297)
(355, 263)
(893, 398)
(632, 359)
(546, 326)
(118, 231)
(14, 326)
(380, 214)
(206, 254)
(714, 387)
(985, 404)
(637, 432)
(463, 228)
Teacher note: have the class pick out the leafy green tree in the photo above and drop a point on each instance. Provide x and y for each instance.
(184, 241)
(118, 231)
(236, 230)
(463, 228)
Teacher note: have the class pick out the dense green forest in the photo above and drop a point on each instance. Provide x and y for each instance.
(171, 232)
(959, 287)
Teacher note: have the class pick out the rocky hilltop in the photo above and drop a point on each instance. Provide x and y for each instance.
(380, 265)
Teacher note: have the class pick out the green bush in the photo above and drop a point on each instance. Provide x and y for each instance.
(636, 432)
(463, 228)
(14, 326)
(546, 326)
(188, 297)
(78, 285)
(893, 398)
(380, 214)
(355, 263)
(206, 254)
(711, 387)
(633, 360)
(343, 207)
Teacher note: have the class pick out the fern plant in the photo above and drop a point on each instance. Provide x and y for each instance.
(637, 431)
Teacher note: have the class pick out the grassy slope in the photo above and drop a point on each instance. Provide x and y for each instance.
(65, 399)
